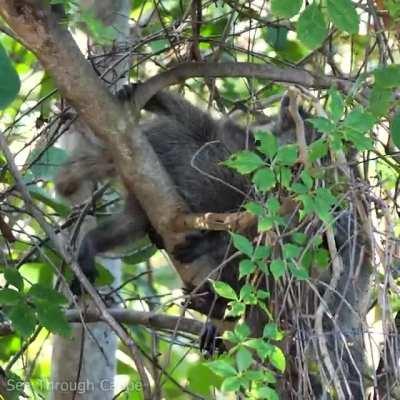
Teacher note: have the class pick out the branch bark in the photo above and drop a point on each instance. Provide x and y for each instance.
(107, 317)
(184, 71)
(145, 318)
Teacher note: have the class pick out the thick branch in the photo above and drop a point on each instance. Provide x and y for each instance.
(148, 319)
(271, 72)
(138, 166)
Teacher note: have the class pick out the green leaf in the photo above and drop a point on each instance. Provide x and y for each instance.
(395, 129)
(242, 244)
(266, 393)
(268, 143)
(285, 8)
(277, 359)
(273, 205)
(271, 331)
(291, 250)
(9, 80)
(285, 176)
(287, 155)
(243, 359)
(254, 208)
(359, 120)
(14, 389)
(343, 14)
(263, 348)
(387, 77)
(9, 297)
(326, 195)
(323, 124)
(308, 203)
(380, 100)
(393, 7)
(23, 319)
(307, 259)
(265, 224)
(299, 273)
(261, 252)
(360, 140)
(318, 149)
(262, 294)
(235, 309)
(336, 105)
(300, 238)
(254, 376)
(322, 257)
(242, 331)
(264, 179)
(231, 384)
(200, 380)
(311, 27)
(307, 179)
(52, 318)
(247, 294)
(222, 368)
(323, 201)
(246, 267)
(299, 188)
(277, 268)
(46, 294)
(224, 290)
(14, 278)
(276, 37)
(230, 337)
(244, 162)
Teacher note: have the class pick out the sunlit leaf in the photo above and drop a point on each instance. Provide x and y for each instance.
(311, 27)
(344, 15)
(53, 318)
(242, 244)
(224, 290)
(9, 80)
(277, 359)
(23, 319)
(14, 278)
(285, 8)
(245, 162)
(243, 359)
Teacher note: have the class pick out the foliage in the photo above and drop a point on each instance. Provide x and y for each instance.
(359, 118)
(9, 80)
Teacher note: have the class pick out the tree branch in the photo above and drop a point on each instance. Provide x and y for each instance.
(146, 90)
(106, 316)
(123, 316)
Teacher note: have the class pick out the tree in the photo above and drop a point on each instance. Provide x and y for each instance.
(317, 305)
